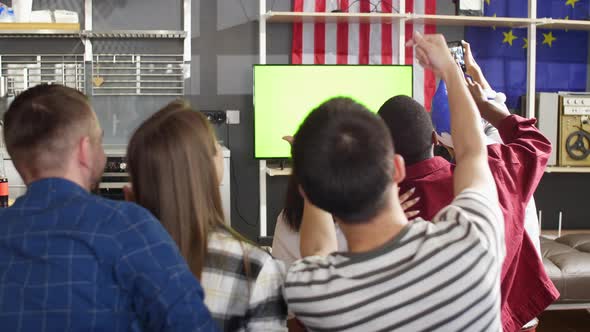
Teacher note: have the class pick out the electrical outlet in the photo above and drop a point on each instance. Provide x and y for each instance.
(215, 117)
(233, 116)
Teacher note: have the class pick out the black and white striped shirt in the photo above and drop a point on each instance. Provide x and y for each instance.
(432, 276)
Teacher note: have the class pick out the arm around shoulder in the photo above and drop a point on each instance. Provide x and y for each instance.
(165, 293)
(267, 307)
(317, 233)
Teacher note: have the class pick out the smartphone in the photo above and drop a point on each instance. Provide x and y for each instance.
(458, 53)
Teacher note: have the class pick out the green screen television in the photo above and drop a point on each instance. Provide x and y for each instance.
(285, 94)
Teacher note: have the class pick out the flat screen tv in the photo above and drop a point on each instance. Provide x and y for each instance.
(285, 94)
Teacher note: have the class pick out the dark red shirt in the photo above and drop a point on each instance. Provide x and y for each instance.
(517, 166)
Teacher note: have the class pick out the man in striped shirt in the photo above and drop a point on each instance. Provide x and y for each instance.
(417, 276)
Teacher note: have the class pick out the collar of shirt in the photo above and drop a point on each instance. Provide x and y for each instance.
(425, 167)
(41, 193)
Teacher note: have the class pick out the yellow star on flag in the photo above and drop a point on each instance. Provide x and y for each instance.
(571, 3)
(509, 37)
(488, 2)
(526, 43)
(494, 27)
(548, 39)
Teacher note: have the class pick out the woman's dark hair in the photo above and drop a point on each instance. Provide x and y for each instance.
(293, 210)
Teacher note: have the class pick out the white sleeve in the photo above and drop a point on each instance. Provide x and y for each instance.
(267, 307)
(285, 243)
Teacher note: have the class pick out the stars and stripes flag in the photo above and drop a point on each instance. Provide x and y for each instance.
(361, 43)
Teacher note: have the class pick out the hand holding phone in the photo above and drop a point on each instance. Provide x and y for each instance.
(458, 53)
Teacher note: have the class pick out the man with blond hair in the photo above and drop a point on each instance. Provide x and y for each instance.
(73, 261)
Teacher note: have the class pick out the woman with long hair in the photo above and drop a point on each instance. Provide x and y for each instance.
(176, 166)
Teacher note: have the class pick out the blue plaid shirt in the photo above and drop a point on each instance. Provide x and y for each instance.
(72, 261)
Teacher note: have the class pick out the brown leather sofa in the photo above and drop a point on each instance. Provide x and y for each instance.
(567, 261)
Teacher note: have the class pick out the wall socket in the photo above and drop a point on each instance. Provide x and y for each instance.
(233, 116)
(215, 117)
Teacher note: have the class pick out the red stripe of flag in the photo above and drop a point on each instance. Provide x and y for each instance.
(429, 77)
(342, 38)
(297, 47)
(319, 36)
(364, 35)
(409, 33)
(386, 35)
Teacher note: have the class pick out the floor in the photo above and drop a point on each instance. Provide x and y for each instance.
(564, 321)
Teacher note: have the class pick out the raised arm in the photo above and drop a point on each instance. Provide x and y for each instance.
(472, 68)
(489, 110)
(521, 141)
(472, 171)
(317, 232)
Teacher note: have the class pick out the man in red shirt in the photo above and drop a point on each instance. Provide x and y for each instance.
(517, 166)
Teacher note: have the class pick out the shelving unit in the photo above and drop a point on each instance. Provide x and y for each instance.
(277, 171)
(62, 27)
(531, 23)
(138, 74)
(116, 34)
(87, 35)
(135, 34)
(25, 70)
(39, 30)
(559, 169)
(560, 24)
(441, 20)
(303, 17)
(473, 21)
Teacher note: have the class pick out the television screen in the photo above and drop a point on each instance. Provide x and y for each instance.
(285, 94)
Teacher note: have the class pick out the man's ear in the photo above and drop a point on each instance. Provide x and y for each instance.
(434, 138)
(399, 169)
(128, 193)
(84, 152)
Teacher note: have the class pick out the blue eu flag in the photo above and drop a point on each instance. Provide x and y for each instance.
(562, 56)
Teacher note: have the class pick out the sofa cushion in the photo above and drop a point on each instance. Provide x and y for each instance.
(567, 261)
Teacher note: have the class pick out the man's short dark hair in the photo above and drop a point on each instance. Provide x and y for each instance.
(343, 159)
(410, 127)
(41, 126)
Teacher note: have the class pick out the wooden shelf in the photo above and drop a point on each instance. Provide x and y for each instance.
(65, 27)
(559, 169)
(549, 23)
(68, 30)
(308, 17)
(39, 28)
(276, 171)
(481, 21)
(446, 20)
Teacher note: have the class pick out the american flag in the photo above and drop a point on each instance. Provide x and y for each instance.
(361, 43)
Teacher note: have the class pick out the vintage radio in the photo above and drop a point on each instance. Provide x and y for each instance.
(574, 130)
(546, 112)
